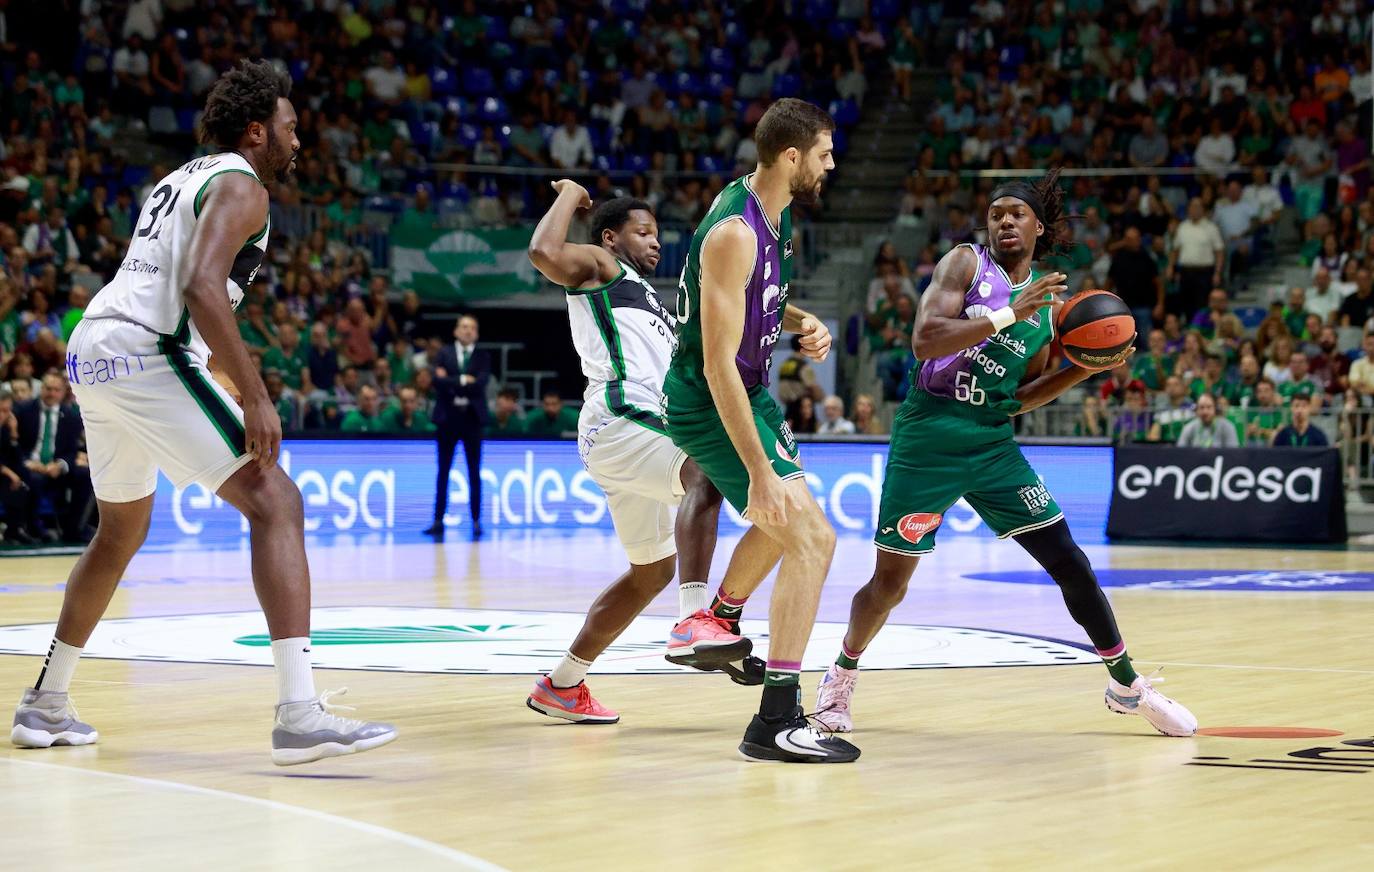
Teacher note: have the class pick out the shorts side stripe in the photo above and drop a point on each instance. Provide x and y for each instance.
(1038, 525)
(210, 402)
(890, 550)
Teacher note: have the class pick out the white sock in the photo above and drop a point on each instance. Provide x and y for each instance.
(295, 683)
(570, 671)
(692, 596)
(58, 667)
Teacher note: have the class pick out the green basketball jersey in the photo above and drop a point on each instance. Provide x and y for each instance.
(765, 295)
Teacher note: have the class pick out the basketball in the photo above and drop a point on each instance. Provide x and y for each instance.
(1095, 327)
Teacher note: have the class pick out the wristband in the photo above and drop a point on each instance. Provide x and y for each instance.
(1002, 318)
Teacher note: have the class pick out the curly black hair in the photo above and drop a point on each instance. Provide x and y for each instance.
(1048, 195)
(241, 96)
(612, 215)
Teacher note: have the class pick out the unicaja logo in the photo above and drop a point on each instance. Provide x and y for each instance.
(1215, 482)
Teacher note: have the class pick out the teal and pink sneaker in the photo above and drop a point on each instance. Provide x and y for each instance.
(569, 703)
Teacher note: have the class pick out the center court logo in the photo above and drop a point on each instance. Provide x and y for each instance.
(511, 642)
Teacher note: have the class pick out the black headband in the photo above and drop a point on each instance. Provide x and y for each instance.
(1023, 192)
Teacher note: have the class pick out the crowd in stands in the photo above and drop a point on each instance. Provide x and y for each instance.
(1259, 110)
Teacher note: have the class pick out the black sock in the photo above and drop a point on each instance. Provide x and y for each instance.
(781, 691)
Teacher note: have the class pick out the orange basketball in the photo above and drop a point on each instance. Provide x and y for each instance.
(1095, 327)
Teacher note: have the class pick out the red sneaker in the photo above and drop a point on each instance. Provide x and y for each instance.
(569, 703)
(704, 641)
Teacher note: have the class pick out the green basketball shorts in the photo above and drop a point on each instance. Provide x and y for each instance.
(941, 452)
(698, 430)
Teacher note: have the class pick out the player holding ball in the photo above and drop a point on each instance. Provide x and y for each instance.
(982, 342)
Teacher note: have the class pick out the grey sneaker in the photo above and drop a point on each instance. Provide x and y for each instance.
(46, 718)
(310, 730)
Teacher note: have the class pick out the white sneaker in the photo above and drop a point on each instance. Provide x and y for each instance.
(1142, 699)
(310, 730)
(45, 718)
(833, 696)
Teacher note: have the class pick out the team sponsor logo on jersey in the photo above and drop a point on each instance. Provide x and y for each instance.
(1012, 344)
(767, 270)
(985, 289)
(1036, 497)
(772, 297)
(915, 525)
(391, 639)
(787, 249)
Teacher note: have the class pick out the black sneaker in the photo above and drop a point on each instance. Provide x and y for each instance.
(748, 671)
(795, 739)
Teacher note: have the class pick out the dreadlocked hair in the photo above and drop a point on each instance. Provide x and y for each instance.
(1053, 241)
(245, 94)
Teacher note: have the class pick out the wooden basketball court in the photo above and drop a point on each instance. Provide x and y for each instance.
(986, 766)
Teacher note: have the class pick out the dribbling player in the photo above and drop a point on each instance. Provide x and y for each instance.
(982, 339)
(625, 337)
(732, 309)
(138, 365)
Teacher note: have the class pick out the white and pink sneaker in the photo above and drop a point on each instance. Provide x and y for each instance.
(1142, 699)
(833, 696)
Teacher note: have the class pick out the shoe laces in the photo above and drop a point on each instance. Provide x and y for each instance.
(722, 623)
(329, 709)
(815, 725)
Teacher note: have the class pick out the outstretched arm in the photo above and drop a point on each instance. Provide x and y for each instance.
(563, 263)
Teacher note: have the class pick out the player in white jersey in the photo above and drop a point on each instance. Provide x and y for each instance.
(138, 363)
(625, 338)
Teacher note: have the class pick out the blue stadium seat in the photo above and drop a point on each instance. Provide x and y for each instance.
(689, 83)
(818, 11)
(1012, 56)
(786, 85)
(1250, 316)
(716, 82)
(636, 163)
(468, 134)
(478, 82)
(845, 112)
(709, 163)
(735, 34)
(885, 10)
(458, 106)
(841, 31)
(186, 120)
(494, 109)
(604, 162)
(498, 28)
(442, 82)
(720, 60)
(514, 80)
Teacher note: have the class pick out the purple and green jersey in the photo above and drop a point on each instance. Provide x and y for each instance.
(765, 296)
(987, 375)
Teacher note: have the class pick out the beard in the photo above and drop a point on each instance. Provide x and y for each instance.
(280, 156)
(806, 190)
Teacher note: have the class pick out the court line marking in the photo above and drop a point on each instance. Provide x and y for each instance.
(465, 860)
(1267, 668)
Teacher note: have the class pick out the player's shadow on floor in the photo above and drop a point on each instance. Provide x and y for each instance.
(319, 776)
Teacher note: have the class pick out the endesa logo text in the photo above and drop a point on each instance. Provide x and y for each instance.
(1216, 481)
(377, 487)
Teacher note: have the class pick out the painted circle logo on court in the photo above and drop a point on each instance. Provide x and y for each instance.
(915, 525)
(512, 642)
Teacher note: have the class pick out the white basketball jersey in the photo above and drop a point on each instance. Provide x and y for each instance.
(149, 287)
(626, 338)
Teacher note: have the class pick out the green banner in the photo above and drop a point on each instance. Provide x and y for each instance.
(444, 265)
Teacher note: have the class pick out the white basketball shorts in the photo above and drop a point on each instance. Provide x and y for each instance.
(148, 405)
(639, 469)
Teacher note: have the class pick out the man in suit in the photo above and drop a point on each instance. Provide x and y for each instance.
(51, 440)
(461, 373)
